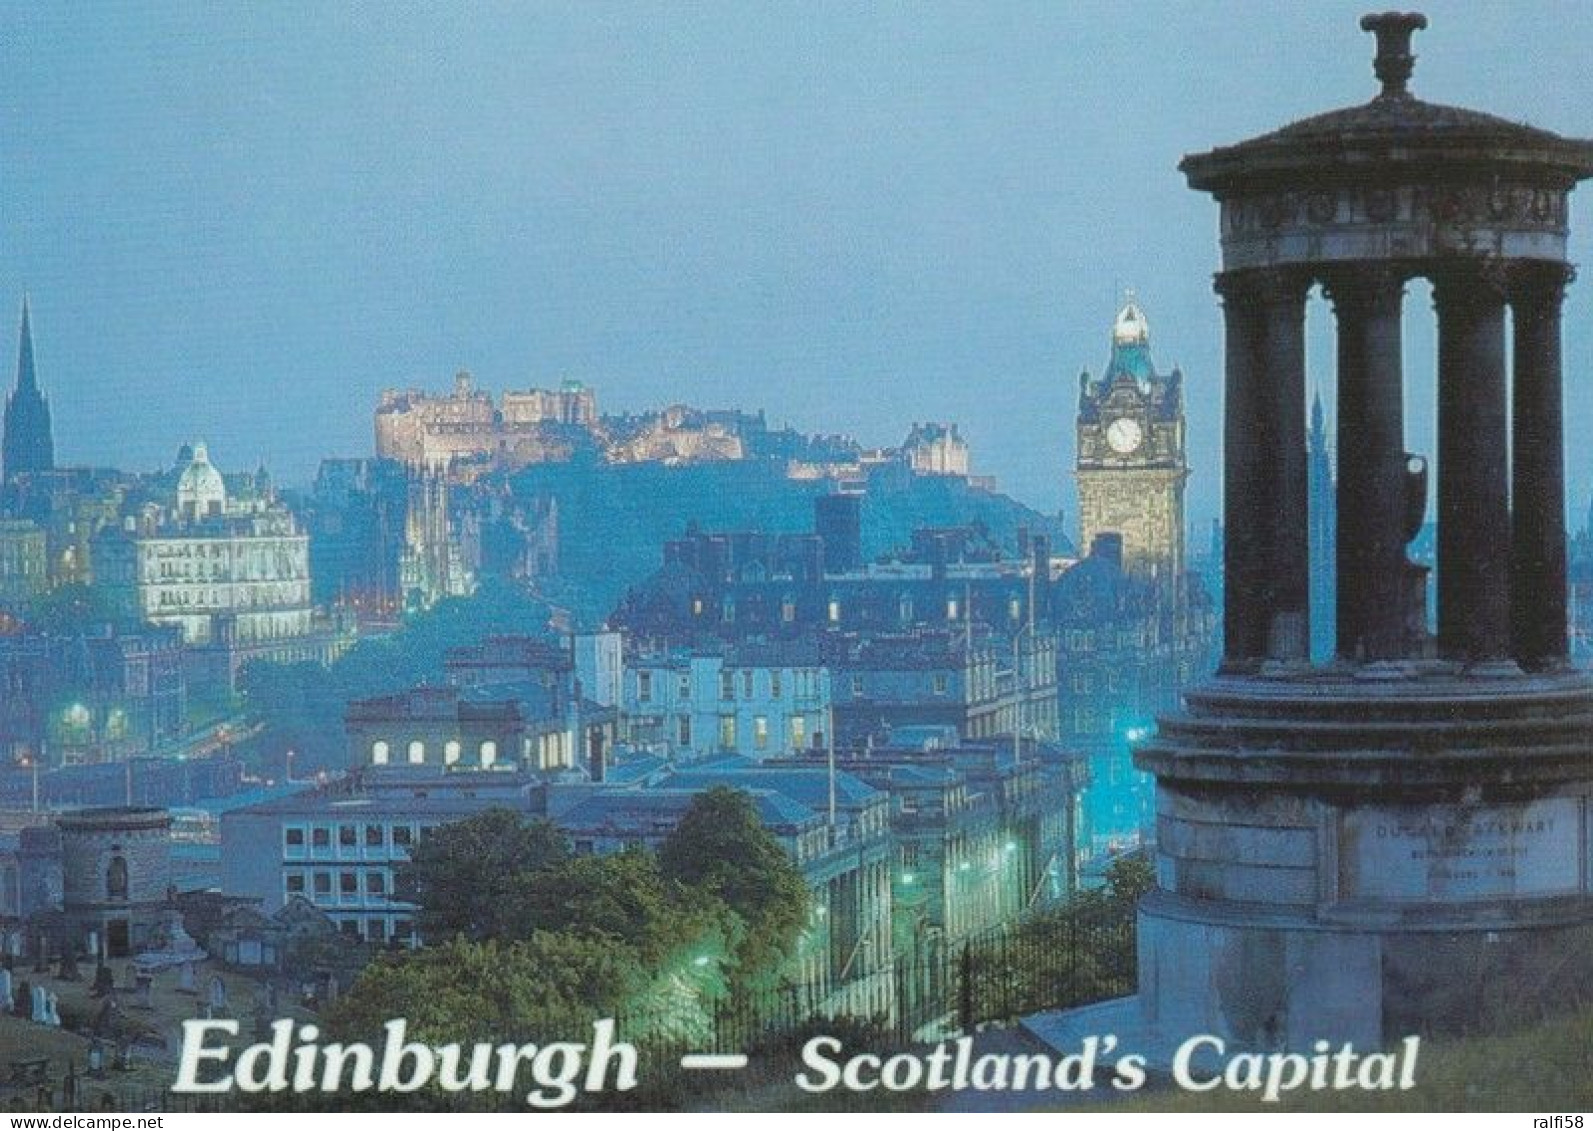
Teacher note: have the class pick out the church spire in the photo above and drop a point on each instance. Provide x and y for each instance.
(26, 378)
(26, 440)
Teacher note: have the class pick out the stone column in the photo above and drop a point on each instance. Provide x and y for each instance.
(1538, 570)
(1371, 464)
(1265, 491)
(1283, 363)
(1244, 506)
(1474, 545)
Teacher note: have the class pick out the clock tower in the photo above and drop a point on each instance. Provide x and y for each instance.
(1131, 464)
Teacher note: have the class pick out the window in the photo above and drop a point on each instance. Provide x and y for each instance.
(685, 730)
(727, 732)
(746, 684)
(293, 838)
(798, 731)
(417, 752)
(379, 751)
(373, 836)
(727, 685)
(952, 608)
(834, 611)
(295, 883)
(375, 883)
(347, 836)
(787, 611)
(347, 883)
(450, 752)
(760, 732)
(857, 687)
(321, 838)
(684, 690)
(323, 883)
(644, 687)
(774, 684)
(489, 753)
(940, 683)
(402, 836)
(350, 927)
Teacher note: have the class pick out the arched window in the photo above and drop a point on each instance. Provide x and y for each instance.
(489, 753)
(450, 752)
(417, 752)
(379, 753)
(116, 879)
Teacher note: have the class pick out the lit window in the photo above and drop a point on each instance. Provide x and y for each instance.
(727, 732)
(451, 752)
(417, 753)
(489, 753)
(798, 731)
(760, 732)
(379, 753)
(835, 611)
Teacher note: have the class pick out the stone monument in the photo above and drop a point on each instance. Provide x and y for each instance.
(1396, 842)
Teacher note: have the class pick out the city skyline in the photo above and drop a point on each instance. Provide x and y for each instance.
(248, 225)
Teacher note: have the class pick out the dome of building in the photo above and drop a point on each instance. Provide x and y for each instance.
(200, 489)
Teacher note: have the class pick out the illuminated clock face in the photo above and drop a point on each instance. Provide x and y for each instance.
(1123, 435)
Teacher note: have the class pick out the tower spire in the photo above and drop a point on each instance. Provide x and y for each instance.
(26, 441)
(26, 378)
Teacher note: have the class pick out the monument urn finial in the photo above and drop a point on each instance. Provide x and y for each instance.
(1394, 61)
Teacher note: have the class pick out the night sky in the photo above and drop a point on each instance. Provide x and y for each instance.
(240, 225)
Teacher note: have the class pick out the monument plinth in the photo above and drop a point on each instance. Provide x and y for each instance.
(1396, 842)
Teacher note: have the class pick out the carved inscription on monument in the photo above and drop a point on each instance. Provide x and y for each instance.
(1454, 852)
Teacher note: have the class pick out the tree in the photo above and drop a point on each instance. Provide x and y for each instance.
(621, 900)
(463, 876)
(548, 986)
(722, 848)
(1130, 877)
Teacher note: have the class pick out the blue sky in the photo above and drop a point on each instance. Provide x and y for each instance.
(241, 223)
